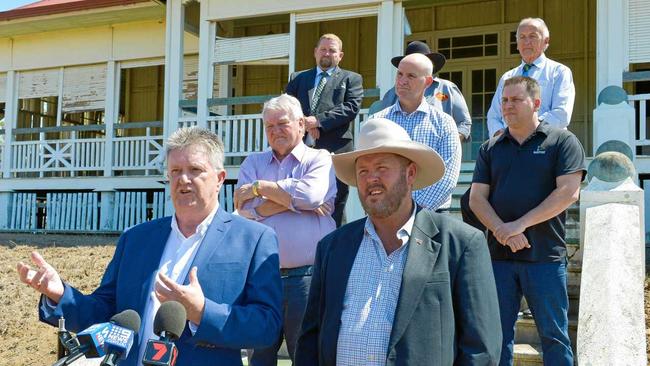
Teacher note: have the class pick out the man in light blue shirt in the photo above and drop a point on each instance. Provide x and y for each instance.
(555, 79)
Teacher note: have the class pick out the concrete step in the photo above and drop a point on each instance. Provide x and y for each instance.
(527, 354)
(526, 331)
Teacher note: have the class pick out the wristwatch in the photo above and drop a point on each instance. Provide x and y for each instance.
(256, 186)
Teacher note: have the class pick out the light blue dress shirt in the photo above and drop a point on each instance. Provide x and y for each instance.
(371, 298)
(558, 93)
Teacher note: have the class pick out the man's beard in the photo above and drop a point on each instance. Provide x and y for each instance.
(325, 63)
(390, 205)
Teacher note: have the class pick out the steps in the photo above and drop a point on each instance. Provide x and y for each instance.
(528, 349)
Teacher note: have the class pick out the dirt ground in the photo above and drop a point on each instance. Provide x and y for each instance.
(81, 260)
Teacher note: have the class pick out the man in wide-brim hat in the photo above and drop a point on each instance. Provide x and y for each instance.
(442, 93)
(404, 285)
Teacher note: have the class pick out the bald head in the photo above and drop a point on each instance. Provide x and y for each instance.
(419, 62)
(413, 78)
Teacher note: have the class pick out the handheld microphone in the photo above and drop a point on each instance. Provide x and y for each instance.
(89, 342)
(119, 340)
(168, 325)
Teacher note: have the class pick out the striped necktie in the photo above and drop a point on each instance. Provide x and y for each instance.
(527, 68)
(317, 93)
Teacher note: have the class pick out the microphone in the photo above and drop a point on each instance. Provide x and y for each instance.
(168, 325)
(88, 342)
(119, 340)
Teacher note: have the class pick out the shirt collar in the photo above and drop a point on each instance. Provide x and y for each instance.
(539, 62)
(543, 128)
(329, 71)
(201, 228)
(403, 234)
(297, 152)
(423, 107)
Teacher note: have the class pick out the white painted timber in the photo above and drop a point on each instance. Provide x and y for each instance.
(227, 9)
(139, 153)
(3, 87)
(611, 43)
(190, 77)
(344, 13)
(130, 209)
(38, 83)
(241, 134)
(614, 122)
(175, 13)
(611, 328)
(246, 49)
(23, 211)
(639, 104)
(206, 79)
(226, 195)
(57, 155)
(72, 211)
(84, 88)
(638, 25)
(11, 114)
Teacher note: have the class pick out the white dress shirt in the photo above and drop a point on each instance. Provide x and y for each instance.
(175, 263)
(557, 91)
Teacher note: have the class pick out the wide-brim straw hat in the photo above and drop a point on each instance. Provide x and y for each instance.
(438, 59)
(380, 135)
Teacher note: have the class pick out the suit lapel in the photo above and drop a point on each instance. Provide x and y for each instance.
(212, 240)
(340, 261)
(153, 247)
(422, 254)
(310, 79)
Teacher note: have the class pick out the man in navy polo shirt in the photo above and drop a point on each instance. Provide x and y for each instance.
(524, 181)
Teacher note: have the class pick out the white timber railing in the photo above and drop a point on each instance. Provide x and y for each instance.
(143, 153)
(68, 155)
(641, 105)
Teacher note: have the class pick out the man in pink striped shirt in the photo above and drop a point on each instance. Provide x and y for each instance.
(290, 188)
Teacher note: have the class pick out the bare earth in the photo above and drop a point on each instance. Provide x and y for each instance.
(81, 260)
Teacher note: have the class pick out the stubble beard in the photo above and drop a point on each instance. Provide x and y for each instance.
(390, 204)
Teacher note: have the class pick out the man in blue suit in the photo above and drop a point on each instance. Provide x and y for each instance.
(330, 98)
(223, 269)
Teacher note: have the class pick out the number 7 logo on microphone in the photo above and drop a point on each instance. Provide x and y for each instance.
(160, 353)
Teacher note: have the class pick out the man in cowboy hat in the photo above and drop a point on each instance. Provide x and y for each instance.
(426, 124)
(404, 286)
(442, 93)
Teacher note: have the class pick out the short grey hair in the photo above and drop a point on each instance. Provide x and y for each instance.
(185, 137)
(537, 23)
(286, 103)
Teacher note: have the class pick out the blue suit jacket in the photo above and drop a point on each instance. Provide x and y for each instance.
(447, 312)
(238, 269)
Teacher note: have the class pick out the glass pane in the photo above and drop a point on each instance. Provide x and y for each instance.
(490, 80)
(477, 81)
(467, 41)
(477, 105)
(491, 50)
(488, 101)
(444, 75)
(468, 52)
(457, 78)
(444, 42)
(513, 49)
(513, 37)
(492, 38)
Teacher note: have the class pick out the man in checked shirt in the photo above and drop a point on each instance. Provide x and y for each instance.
(425, 124)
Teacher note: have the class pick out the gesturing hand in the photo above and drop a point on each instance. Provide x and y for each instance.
(191, 295)
(45, 279)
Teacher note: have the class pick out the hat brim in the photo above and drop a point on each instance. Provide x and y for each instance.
(438, 60)
(430, 169)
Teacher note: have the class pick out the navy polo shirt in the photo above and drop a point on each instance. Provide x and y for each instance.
(520, 178)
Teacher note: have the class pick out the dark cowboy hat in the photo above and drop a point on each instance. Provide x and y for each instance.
(438, 59)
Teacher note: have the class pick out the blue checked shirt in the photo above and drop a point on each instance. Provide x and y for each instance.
(371, 299)
(432, 127)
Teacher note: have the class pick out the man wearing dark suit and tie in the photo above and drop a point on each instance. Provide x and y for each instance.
(330, 97)
(404, 286)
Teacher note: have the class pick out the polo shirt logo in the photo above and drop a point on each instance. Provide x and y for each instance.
(539, 150)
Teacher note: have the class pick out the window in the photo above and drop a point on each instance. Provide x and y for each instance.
(469, 46)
